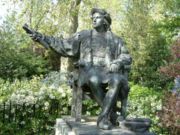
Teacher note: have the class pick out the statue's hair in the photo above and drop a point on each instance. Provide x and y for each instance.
(104, 13)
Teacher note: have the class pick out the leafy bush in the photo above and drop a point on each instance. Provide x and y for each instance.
(50, 97)
(19, 64)
(33, 105)
(170, 113)
(172, 69)
(147, 61)
(90, 108)
(144, 103)
(17, 59)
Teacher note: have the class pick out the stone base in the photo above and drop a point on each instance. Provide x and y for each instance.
(136, 124)
(68, 126)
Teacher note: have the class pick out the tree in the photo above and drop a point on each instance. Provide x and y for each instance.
(16, 62)
(172, 68)
(145, 41)
(73, 25)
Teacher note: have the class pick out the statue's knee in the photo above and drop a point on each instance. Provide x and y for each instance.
(116, 80)
(126, 88)
(94, 80)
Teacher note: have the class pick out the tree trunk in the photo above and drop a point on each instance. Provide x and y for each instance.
(67, 63)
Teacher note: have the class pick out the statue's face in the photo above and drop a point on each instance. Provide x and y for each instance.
(98, 20)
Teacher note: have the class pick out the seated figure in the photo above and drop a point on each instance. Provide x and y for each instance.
(103, 64)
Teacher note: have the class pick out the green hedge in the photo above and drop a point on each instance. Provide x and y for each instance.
(20, 63)
(31, 106)
(145, 102)
(51, 98)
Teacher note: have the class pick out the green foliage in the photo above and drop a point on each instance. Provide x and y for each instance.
(53, 92)
(172, 67)
(147, 26)
(145, 103)
(16, 60)
(169, 25)
(170, 113)
(145, 41)
(45, 16)
(90, 108)
(19, 64)
(35, 104)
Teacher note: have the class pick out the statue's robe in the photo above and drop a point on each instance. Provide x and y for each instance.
(93, 50)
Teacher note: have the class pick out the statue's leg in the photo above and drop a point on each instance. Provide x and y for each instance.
(123, 107)
(96, 89)
(99, 95)
(113, 115)
(109, 101)
(124, 96)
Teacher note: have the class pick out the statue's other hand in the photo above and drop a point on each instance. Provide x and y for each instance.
(114, 67)
(34, 36)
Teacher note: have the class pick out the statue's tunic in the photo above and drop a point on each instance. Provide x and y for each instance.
(97, 50)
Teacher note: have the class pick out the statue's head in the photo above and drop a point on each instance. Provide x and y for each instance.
(100, 17)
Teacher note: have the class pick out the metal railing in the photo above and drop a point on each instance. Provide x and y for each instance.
(25, 119)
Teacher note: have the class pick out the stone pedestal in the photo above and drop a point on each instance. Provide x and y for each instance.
(68, 126)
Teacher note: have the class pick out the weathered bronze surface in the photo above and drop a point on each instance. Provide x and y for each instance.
(103, 64)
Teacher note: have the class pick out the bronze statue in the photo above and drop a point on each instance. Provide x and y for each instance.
(103, 62)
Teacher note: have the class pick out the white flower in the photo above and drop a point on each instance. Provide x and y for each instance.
(31, 99)
(30, 92)
(23, 122)
(6, 116)
(52, 96)
(1, 100)
(36, 105)
(24, 113)
(13, 110)
(45, 108)
(52, 86)
(36, 93)
(42, 91)
(69, 91)
(60, 90)
(46, 103)
(64, 94)
(69, 100)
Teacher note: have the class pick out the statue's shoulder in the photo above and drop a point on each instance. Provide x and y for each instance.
(84, 34)
(117, 39)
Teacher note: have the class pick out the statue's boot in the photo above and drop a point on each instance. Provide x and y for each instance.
(108, 103)
(115, 118)
(104, 123)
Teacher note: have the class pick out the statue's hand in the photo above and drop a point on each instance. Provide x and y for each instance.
(35, 36)
(114, 67)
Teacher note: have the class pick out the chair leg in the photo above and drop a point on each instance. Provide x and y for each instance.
(73, 104)
(79, 104)
(76, 106)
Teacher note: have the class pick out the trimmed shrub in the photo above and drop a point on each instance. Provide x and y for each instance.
(145, 102)
(18, 64)
(170, 113)
(31, 106)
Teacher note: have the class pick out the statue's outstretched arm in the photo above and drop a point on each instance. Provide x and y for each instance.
(36, 36)
(65, 47)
